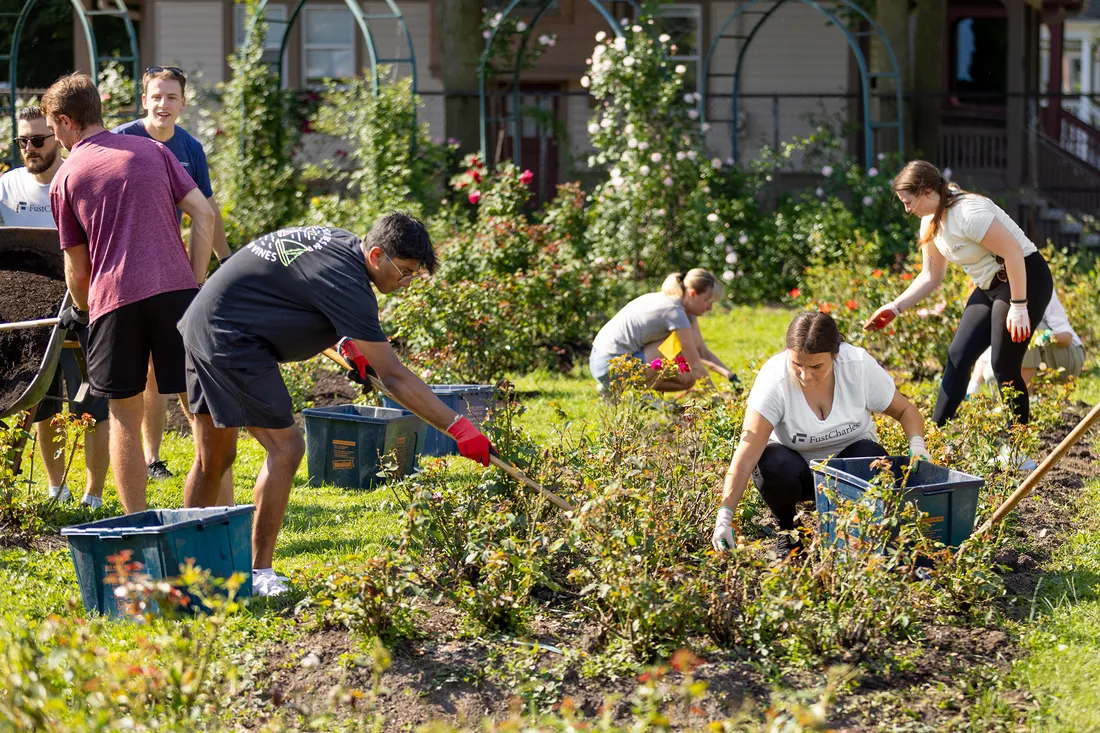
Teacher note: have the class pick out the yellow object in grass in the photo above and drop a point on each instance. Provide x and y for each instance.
(670, 347)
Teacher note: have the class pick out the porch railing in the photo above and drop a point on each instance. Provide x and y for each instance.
(974, 149)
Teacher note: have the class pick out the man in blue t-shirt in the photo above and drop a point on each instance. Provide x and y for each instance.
(163, 95)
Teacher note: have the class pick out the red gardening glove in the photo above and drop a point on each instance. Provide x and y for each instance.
(361, 370)
(472, 443)
(881, 318)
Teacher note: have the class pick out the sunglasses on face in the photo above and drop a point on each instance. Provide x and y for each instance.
(34, 140)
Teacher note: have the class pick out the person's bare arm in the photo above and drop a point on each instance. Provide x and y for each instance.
(78, 274)
(1000, 242)
(221, 246)
(202, 232)
(406, 387)
(709, 359)
(1063, 339)
(906, 413)
(754, 439)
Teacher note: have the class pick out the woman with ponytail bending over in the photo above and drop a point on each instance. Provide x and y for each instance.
(645, 322)
(1012, 278)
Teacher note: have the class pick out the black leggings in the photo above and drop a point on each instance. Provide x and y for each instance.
(982, 325)
(783, 477)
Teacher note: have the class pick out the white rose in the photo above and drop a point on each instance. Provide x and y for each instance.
(485, 35)
(731, 258)
(743, 239)
(712, 217)
(655, 157)
(636, 28)
(643, 145)
(867, 201)
(680, 155)
(593, 128)
(705, 126)
(644, 170)
(659, 212)
(820, 192)
(827, 171)
(591, 161)
(620, 43)
(681, 69)
(693, 114)
(521, 27)
(585, 81)
(632, 143)
(728, 276)
(628, 61)
(668, 181)
(600, 36)
(629, 129)
(664, 38)
(716, 163)
(872, 172)
(720, 239)
(605, 123)
(691, 155)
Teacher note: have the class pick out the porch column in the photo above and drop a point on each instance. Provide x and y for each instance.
(1053, 118)
(1016, 104)
(1085, 109)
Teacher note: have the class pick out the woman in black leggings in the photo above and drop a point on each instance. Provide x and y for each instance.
(816, 399)
(1012, 278)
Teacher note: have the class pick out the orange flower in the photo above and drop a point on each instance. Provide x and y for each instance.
(825, 308)
(906, 276)
(851, 305)
(795, 293)
(876, 273)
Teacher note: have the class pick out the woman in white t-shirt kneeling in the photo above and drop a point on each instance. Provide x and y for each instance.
(815, 400)
(1013, 282)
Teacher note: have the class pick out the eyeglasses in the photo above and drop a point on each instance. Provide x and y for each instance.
(405, 276)
(32, 141)
(157, 69)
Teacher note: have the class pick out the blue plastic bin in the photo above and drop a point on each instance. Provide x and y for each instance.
(472, 400)
(948, 498)
(218, 539)
(343, 443)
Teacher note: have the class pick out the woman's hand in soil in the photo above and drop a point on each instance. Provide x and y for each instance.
(73, 319)
(472, 443)
(882, 317)
(1018, 322)
(723, 539)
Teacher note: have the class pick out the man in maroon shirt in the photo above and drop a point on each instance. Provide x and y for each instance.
(131, 278)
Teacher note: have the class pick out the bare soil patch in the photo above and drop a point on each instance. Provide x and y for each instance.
(24, 296)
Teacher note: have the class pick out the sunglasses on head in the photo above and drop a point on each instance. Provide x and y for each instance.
(157, 69)
(34, 140)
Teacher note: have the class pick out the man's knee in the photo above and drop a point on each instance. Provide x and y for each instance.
(127, 412)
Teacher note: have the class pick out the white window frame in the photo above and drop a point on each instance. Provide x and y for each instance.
(276, 15)
(693, 11)
(307, 46)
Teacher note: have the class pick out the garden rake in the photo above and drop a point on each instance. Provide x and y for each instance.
(495, 458)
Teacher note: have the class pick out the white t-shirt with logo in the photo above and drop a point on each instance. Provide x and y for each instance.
(24, 202)
(962, 229)
(1056, 320)
(862, 388)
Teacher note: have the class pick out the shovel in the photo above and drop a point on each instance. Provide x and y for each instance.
(494, 458)
(20, 325)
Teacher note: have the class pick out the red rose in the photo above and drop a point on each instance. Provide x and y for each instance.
(825, 308)
(526, 177)
(474, 197)
(876, 273)
(796, 293)
(476, 176)
(851, 305)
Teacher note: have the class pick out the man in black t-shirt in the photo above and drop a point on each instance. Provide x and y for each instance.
(286, 297)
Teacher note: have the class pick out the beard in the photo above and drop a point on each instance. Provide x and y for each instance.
(41, 162)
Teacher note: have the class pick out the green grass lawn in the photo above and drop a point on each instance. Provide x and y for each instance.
(1063, 641)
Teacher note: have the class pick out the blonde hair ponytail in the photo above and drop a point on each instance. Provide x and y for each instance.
(698, 279)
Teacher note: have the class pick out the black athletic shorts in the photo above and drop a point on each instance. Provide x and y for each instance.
(239, 397)
(120, 343)
(66, 381)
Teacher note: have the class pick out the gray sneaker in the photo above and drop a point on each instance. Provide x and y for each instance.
(159, 470)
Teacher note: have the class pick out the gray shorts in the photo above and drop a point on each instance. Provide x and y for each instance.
(1070, 359)
(239, 397)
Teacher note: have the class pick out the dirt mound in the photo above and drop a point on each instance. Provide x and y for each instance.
(24, 296)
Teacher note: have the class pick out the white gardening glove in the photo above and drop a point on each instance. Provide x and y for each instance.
(918, 449)
(882, 317)
(723, 538)
(1018, 322)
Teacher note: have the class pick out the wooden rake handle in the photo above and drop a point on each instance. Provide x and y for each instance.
(1041, 470)
(20, 325)
(506, 466)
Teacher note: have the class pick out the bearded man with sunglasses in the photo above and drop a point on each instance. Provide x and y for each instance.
(286, 297)
(25, 192)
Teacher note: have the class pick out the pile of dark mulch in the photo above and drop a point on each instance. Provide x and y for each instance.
(24, 296)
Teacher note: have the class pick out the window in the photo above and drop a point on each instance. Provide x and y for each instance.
(684, 24)
(276, 29)
(328, 44)
(980, 58)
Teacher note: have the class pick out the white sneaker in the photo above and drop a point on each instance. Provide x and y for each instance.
(92, 502)
(1018, 462)
(61, 493)
(266, 583)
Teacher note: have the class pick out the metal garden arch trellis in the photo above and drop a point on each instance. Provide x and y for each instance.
(361, 20)
(483, 68)
(108, 8)
(829, 11)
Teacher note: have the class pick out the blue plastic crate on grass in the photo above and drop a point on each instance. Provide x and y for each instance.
(948, 498)
(472, 400)
(218, 539)
(344, 443)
